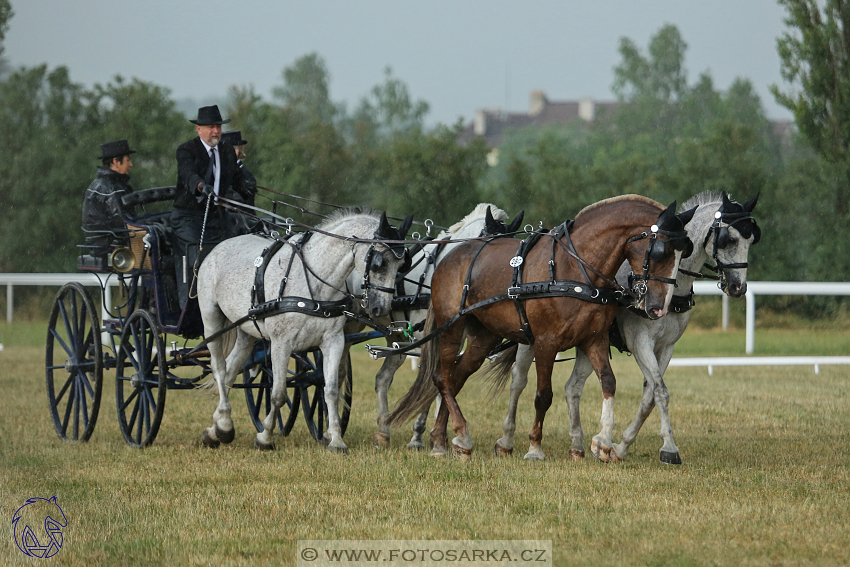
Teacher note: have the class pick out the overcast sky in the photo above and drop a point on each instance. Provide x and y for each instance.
(458, 55)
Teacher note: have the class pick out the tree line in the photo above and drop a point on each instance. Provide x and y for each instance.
(668, 138)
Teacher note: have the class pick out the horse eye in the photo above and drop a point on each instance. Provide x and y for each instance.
(377, 261)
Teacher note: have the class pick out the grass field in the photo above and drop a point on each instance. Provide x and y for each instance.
(764, 479)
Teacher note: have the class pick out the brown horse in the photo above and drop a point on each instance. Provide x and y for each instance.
(604, 235)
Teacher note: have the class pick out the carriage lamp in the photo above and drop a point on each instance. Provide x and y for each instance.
(122, 260)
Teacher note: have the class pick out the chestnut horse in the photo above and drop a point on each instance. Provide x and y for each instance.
(626, 228)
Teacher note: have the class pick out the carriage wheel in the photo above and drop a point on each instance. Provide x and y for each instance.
(313, 394)
(258, 392)
(74, 371)
(140, 375)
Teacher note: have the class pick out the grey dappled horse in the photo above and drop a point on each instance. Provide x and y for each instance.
(318, 273)
(651, 341)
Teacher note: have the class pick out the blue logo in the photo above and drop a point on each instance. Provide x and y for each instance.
(39, 512)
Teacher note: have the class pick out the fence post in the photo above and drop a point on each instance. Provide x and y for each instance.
(724, 301)
(751, 321)
(9, 300)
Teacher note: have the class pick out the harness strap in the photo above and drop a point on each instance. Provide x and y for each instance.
(294, 304)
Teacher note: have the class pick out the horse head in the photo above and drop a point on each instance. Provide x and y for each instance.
(654, 259)
(380, 264)
(728, 242)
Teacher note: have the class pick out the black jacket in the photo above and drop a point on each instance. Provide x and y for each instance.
(102, 208)
(192, 162)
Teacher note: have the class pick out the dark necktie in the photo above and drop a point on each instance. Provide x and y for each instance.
(209, 178)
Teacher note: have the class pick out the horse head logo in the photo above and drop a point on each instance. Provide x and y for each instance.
(39, 512)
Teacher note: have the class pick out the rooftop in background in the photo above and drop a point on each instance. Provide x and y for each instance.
(492, 124)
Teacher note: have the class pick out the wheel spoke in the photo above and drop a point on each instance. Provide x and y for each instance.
(151, 400)
(68, 409)
(61, 342)
(135, 414)
(83, 379)
(77, 412)
(85, 407)
(64, 389)
(130, 399)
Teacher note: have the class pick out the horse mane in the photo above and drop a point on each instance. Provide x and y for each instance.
(630, 197)
(704, 198)
(346, 213)
(477, 213)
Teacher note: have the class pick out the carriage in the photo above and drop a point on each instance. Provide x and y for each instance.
(132, 340)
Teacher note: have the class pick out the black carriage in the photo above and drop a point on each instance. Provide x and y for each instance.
(133, 340)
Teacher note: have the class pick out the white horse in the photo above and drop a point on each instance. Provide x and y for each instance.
(309, 280)
(418, 281)
(726, 239)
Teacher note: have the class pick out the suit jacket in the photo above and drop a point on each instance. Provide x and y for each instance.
(192, 162)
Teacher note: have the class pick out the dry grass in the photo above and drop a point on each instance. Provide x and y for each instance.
(764, 479)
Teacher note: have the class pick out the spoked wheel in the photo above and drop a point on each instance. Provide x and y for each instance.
(258, 394)
(140, 379)
(74, 363)
(313, 391)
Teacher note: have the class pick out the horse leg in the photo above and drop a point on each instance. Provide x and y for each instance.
(383, 381)
(333, 347)
(597, 354)
(449, 346)
(439, 438)
(545, 361)
(519, 380)
(573, 389)
(669, 450)
(416, 442)
(222, 429)
(280, 362)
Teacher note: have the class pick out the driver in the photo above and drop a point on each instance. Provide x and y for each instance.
(206, 167)
(102, 208)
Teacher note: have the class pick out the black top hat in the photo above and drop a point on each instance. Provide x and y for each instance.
(209, 115)
(234, 138)
(114, 149)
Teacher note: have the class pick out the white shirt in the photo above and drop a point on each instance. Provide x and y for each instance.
(217, 172)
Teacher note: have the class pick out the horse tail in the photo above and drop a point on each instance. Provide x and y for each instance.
(227, 340)
(423, 391)
(499, 371)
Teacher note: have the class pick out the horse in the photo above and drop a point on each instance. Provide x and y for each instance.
(309, 275)
(467, 300)
(725, 238)
(485, 219)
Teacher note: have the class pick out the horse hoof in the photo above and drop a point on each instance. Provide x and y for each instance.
(600, 451)
(260, 446)
(534, 456)
(461, 453)
(208, 440)
(502, 451)
(576, 455)
(416, 446)
(339, 450)
(225, 436)
(669, 458)
(437, 452)
(381, 440)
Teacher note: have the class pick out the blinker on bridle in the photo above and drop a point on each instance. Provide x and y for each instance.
(654, 253)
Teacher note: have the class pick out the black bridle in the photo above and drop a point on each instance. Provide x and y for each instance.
(654, 253)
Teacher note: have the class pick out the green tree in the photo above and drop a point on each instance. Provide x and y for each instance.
(815, 57)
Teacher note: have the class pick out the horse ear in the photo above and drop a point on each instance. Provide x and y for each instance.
(514, 226)
(405, 226)
(751, 204)
(670, 211)
(727, 203)
(489, 222)
(687, 216)
(384, 226)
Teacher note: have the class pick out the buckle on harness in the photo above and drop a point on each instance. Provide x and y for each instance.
(513, 291)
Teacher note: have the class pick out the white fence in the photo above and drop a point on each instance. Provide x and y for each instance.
(700, 288)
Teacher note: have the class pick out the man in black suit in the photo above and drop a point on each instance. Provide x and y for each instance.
(206, 167)
(240, 223)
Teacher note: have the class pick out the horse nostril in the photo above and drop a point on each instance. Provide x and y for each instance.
(376, 312)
